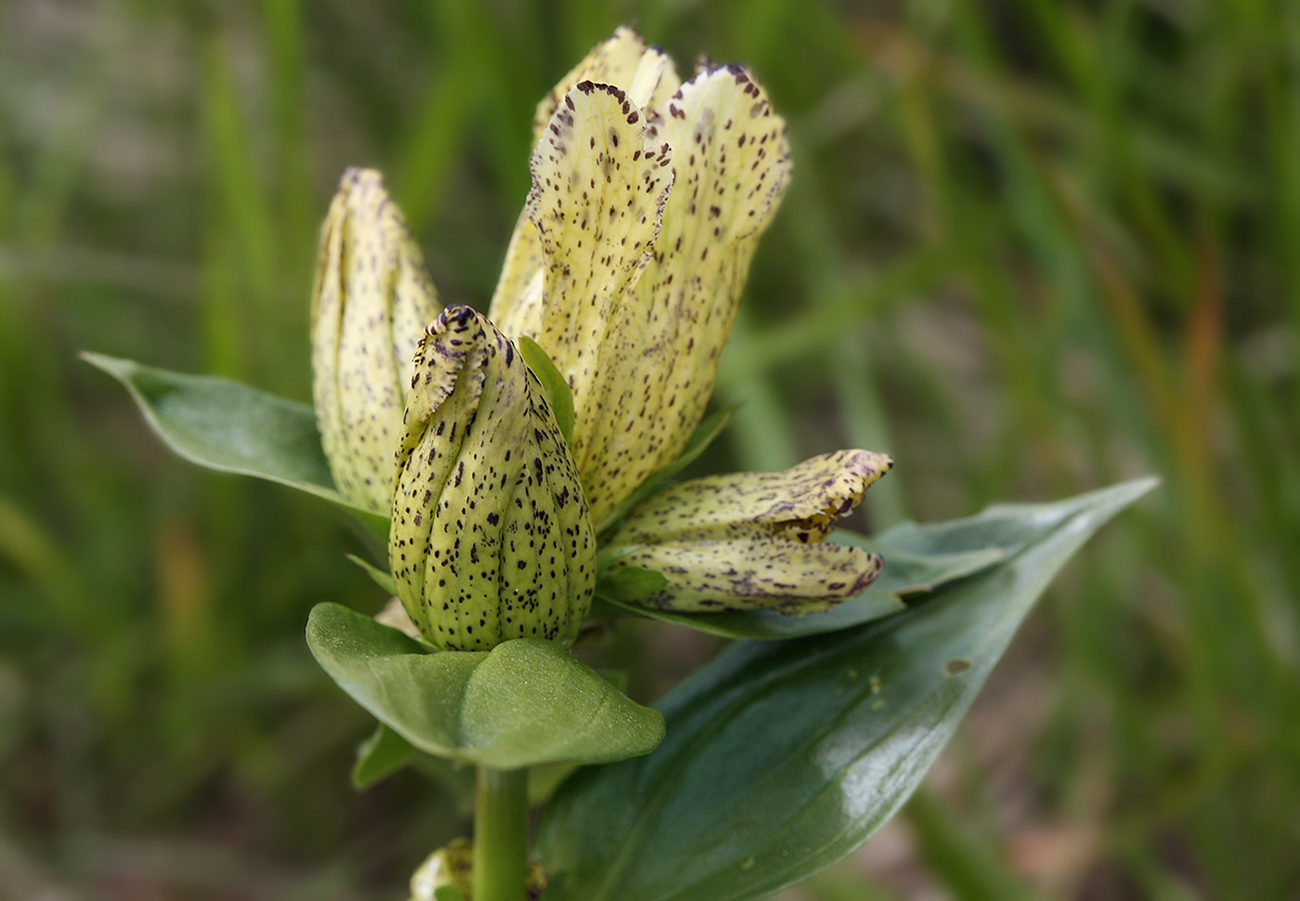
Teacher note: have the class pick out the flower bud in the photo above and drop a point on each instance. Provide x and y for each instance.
(754, 540)
(491, 538)
(371, 303)
(453, 866)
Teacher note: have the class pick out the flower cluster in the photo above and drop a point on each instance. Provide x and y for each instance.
(649, 196)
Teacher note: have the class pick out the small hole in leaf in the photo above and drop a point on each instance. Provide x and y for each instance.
(956, 665)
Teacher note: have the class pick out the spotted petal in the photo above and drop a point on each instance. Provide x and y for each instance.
(773, 573)
(649, 78)
(799, 504)
(731, 165)
(371, 303)
(747, 540)
(646, 73)
(599, 187)
(657, 348)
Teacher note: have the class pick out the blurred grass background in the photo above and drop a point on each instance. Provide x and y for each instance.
(1032, 247)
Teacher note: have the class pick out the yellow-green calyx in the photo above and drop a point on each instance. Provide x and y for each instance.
(755, 540)
(371, 303)
(491, 539)
(626, 266)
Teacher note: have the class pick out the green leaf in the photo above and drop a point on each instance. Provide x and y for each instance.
(700, 439)
(630, 583)
(911, 567)
(783, 757)
(381, 755)
(557, 389)
(544, 780)
(448, 893)
(525, 702)
(380, 577)
(232, 427)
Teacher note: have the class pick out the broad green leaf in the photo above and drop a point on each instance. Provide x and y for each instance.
(381, 755)
(525, 702)
(232, 427)
(385, 752)
(783, 757)
(553, 383)
(911, 567)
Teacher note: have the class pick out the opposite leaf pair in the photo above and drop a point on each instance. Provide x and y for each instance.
(649, 196)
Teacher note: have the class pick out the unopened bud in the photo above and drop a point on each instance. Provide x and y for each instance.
(491, 538)
(453, 866)
(371, 303)
(755, 540)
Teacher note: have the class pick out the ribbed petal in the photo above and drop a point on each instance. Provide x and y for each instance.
(656, 345)
(798, 504)
(491, 539)
(751, 540)
(775, 574)
(731, 165)
(370, 305)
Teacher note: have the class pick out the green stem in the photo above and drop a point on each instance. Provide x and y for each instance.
(501, 835)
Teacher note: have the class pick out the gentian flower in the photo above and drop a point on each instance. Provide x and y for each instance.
(626, 266)
(649, 197)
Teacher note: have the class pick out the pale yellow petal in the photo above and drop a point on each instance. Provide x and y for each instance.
(598, 193)
(623, 61)
(776, 574)
(799, 504)
(654, 82)
(517, 302)
(370, 305)
(731, 164)
(490, 538)
(649, 78)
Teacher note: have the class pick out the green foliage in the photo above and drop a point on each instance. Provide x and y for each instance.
(783, 757)
(228, 426)
(557, 389)
(525, 702)
(381, 755)
(231, 427)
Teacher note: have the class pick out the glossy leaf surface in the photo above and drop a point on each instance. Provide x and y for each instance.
(232, 427)
(525, 702)
(783, 757)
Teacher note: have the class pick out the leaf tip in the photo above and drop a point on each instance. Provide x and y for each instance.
(117, 367)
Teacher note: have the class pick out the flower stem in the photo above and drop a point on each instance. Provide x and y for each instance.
(501, 835)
